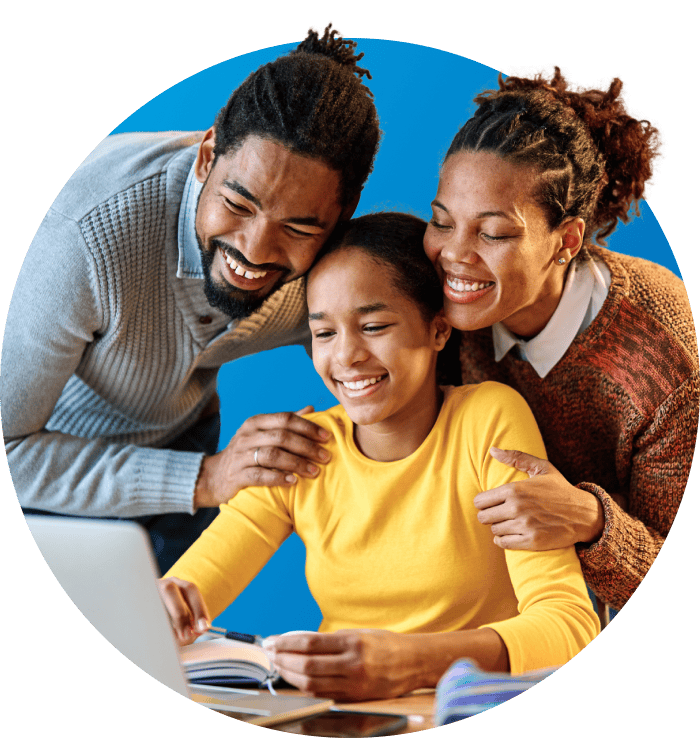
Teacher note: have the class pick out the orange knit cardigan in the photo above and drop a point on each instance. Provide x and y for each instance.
(618, 414)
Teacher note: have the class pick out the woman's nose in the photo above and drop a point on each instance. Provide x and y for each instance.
(460, 250)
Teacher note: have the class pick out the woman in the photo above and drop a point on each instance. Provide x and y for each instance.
(407, 579)
(602, 346)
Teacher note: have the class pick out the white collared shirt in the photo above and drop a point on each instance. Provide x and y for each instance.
(586, 287)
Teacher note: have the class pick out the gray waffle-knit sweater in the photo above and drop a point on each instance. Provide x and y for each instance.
(108, 354)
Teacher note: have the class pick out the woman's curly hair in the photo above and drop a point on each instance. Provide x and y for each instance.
(593, 158)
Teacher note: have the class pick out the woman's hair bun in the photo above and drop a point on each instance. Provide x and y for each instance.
(597, 156)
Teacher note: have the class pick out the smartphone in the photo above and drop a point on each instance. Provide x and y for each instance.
(345, 724)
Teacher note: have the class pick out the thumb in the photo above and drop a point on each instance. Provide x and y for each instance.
(532, 465)
(305, 410)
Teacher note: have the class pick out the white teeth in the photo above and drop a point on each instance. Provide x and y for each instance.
(361, 384)
(460, 285)
(240, 271)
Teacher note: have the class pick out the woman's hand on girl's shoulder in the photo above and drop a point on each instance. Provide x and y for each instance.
(540, 513)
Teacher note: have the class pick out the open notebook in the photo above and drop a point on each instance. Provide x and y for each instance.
(107, 568)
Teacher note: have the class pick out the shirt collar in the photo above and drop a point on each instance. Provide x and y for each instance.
(584, 285)
(189, 262)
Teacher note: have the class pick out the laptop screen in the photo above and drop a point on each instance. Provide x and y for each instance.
(107, 568)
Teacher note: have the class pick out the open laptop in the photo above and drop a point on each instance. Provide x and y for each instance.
(107, 568)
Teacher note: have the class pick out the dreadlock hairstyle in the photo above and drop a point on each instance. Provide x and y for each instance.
(313, 102)
(593, 158)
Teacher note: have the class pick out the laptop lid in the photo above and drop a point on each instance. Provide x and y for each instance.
(107, 568)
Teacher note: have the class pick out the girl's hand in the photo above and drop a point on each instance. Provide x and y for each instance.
(186, 609)
(352, 665)
(540, 513)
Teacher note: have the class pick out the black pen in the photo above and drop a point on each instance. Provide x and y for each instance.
(235, 636)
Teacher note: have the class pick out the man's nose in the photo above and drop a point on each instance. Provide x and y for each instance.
(258, 242)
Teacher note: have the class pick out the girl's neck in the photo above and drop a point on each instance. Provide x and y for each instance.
(399, 437)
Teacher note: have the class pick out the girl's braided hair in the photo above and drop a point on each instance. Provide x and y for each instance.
(312, 101)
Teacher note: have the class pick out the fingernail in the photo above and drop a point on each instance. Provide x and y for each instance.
(291, 478)
(324, 434)
(202, 625)
(324, 455)
(312, 469)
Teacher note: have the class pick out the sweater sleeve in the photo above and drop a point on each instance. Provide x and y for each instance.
(662, 456)
(555, 616)
(54, 313)
(235, 547)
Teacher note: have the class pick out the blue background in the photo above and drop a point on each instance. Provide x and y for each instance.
(423, 96)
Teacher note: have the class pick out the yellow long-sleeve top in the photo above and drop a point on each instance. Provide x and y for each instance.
(397, 545)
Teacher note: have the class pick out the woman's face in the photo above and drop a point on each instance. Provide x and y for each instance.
(492, 247)
(371, 346)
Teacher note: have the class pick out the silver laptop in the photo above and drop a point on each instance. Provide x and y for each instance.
(107, 568)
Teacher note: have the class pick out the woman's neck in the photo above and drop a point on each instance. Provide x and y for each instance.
(531, 320)
(400, 436)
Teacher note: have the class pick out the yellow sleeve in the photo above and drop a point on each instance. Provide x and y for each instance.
(556, 618)
(235, 547)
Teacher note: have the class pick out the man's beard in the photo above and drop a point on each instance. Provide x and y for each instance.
(230, 300)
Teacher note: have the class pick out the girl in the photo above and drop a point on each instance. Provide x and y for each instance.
(602, 346)
(405, 576)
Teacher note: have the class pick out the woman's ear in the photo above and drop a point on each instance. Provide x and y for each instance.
(571, 234)
(441, 330)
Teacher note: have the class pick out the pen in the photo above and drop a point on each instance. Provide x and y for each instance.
(234, 636)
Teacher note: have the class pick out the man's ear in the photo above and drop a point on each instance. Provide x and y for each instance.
(350, 208)
(441, 330)
(205, 155)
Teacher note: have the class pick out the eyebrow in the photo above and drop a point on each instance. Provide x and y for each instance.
(310, 220)
(362, 310)
(483, 214)
(232, 184)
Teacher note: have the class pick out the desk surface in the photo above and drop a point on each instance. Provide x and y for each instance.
(417, 706)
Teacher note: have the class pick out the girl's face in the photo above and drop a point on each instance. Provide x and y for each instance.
(492, 247)
(371, 345)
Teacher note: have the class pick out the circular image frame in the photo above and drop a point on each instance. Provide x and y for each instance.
(661, 589)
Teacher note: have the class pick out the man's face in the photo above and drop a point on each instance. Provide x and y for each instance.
(262, 216)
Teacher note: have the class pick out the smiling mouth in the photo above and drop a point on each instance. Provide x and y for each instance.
(358, 385)
(465, 291)
(243, 275)
(467, 285)
(241, 271)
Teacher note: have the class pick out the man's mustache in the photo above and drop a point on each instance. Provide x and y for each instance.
(234, 253)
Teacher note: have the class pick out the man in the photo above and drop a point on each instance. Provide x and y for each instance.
(165, 256)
